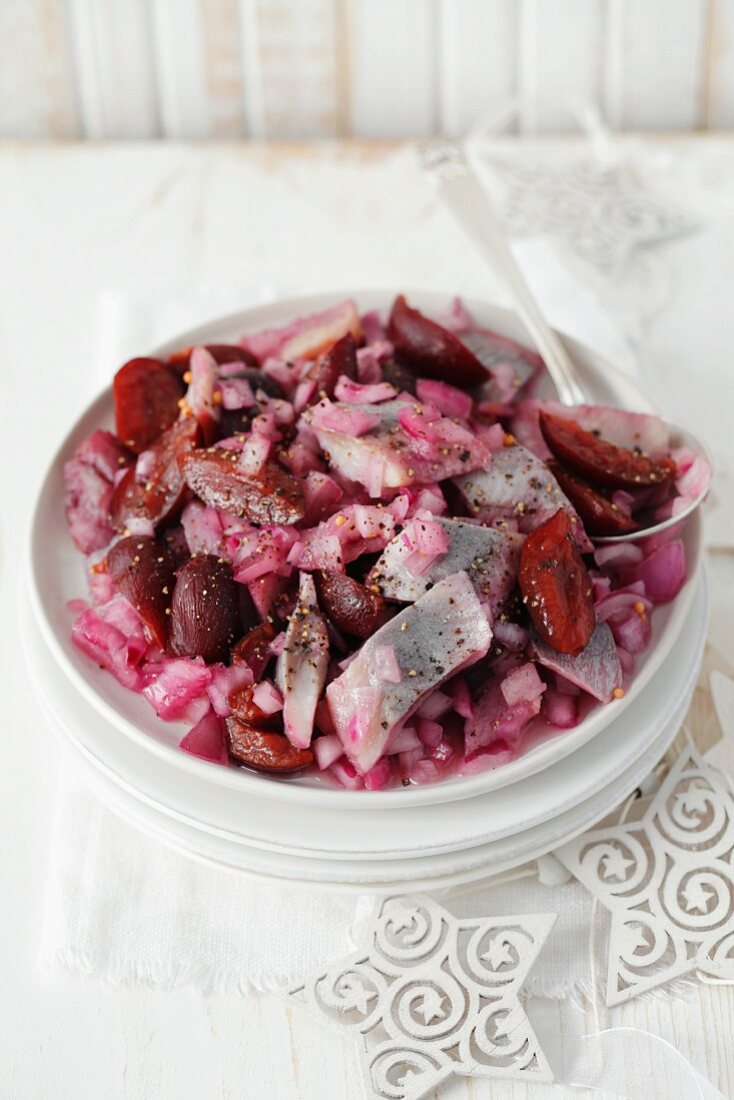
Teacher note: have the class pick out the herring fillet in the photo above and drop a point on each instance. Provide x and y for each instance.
(490, 558)
(518, 486)
(443, 632)
(400, 459)
(302, 665)
(596, 668)
(352, 456)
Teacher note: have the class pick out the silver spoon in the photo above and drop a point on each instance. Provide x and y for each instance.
(464, 196)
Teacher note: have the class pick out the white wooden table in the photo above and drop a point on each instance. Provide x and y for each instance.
(152, 221)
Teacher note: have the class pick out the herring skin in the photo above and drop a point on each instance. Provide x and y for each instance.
(443, 632)
(302, 665)
(518, 486)
(489, 556)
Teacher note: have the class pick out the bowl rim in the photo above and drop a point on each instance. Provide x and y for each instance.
(672, 708)
(552, 748)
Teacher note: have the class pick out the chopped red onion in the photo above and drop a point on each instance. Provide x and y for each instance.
(449, 400)
(522, 685)
(443, 753)
(107, 646)
(254, 454)
(267, 697)
(623, 600)
(663, 572)
(461, 695)
(623, 501)
(327, 749)
(236, 393)
(200, 394)
(694, 475)
(370, 359)
(285, 374)
(405, 740)
(202, 527)
(560, 709)
(304, 392)
(511, 635)
(176, 683)
(264, 591)
(456, 318)
(430, 733)
(322, 494)
(618, 554)
(345, 774)
(206, 740)
(626, 660)
(226, 680)
(424, 771)
(354, 393)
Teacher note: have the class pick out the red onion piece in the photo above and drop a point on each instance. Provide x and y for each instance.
(327, 750)
(663, 572)
(206, 740)
(560, 709)
(371, 394)
(449, 400)
(522, 685)
(267, 697)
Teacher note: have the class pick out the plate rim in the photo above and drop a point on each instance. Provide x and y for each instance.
(472, 872)
(68, 731)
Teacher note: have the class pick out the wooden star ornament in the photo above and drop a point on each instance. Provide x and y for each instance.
(668, 882)
(430, 996)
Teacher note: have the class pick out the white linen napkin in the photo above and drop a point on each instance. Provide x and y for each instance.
(125, 908)
(122, 908)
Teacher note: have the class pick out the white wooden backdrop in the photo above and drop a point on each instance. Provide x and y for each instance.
(368, 68)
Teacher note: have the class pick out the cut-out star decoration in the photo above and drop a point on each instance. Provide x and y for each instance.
(430, 996)
(667, 881)
(601, 212)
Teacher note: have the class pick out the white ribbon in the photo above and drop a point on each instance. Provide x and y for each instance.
(623, 1061)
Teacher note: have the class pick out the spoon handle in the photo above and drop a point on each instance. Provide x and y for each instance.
(462, 193)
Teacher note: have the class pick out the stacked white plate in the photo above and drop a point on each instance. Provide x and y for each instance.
(301, 830)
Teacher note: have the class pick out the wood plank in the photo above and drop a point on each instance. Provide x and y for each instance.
(290, 68)
(197, 62)
(37, 97)
(477, 59)
(719, 66)
(559, 53)
(113, 50)
(392, 68)
(222, 57)
(178, 45)
(654, 68)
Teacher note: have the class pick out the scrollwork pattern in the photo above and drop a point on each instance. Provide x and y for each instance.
(695, 815)
(432, 995)
(407, 933)
(668, 881)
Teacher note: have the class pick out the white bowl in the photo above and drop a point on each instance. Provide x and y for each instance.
(423, 846)
(56, 575)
